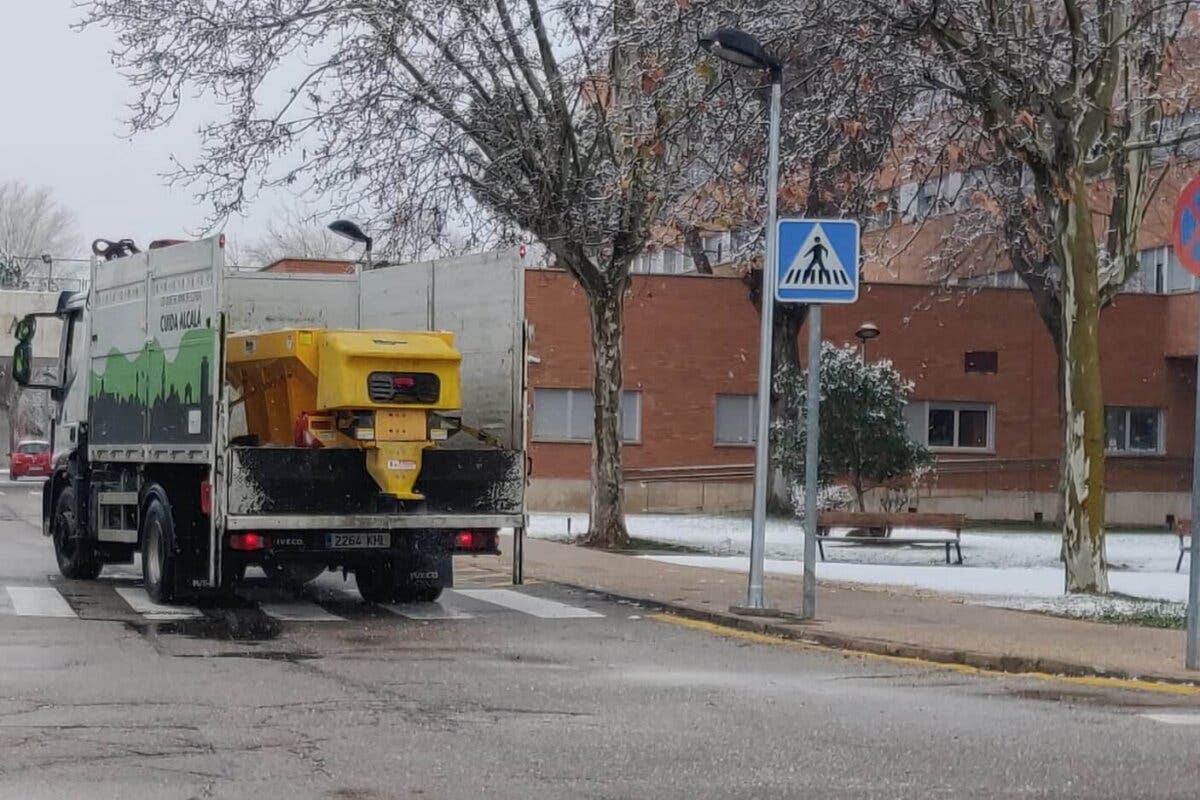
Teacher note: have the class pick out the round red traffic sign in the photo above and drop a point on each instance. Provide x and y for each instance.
(1186, 236)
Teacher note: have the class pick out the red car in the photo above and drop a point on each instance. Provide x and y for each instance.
(30, 458)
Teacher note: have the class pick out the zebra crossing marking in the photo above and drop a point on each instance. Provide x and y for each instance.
(137, 599)
(39, 601)
(527, 604)
(428, 611)
(456, 604)
(299, 612)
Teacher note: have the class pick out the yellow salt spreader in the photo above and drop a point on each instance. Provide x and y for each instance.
(385, 392)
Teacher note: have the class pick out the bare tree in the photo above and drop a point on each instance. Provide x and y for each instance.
(575, 122)
(1064, 101)
(32, 225)
(295, 235)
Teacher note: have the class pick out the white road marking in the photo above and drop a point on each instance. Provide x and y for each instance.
(299, 612)
(428, 611)
(37, 493)
(1174, 719)
(39, 601)
(527, 604)
(140, 602)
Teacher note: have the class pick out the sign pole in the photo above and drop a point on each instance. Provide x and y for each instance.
(1186, 241)
(1193, 607)
(812, 428)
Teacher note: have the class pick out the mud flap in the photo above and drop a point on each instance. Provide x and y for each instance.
(428, 560)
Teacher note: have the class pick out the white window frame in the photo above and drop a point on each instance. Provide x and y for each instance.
(1159, 445)
(721, 239)
(957, 407)
(752, 420)
(576, 394)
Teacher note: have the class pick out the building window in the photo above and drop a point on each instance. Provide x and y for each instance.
(1130, 429)
(672, 261)
(565, 415)
(952, 426)
(927, 195)
(1159, 272)
(981, 361)
(737, 421)
(716, 246)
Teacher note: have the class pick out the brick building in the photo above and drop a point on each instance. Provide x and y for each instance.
(985, 396)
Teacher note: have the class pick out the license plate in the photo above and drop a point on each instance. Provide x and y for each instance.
(344, 541)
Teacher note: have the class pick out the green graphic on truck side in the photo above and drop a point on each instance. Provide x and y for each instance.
(151, 398)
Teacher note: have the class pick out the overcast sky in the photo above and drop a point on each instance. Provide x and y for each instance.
(63, 104)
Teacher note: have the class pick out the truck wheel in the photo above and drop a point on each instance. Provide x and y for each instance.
(158, 550)
(375, 583)
(427, 594)
(76, 558)
(380, 584)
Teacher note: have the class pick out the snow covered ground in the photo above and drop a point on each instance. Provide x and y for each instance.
(1004, 568)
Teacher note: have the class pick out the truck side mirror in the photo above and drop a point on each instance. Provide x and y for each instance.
(22, 362)
(25, 328)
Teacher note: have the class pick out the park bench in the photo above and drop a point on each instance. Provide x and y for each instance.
(878, 527)
(1183, 529)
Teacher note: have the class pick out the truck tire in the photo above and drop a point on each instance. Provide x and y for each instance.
(158, 549)
(375, 583)
(427, 594)
(76, 558)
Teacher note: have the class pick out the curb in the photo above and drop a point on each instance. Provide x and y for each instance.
(797, 632)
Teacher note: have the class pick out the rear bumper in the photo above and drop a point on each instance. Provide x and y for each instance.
(401, 523)
(312, 547)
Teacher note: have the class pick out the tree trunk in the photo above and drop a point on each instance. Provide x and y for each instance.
(1083, 414)
(695, 248)
(607, 524)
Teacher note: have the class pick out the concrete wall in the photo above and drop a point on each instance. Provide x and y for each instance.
(1132, 509)
(656, 497)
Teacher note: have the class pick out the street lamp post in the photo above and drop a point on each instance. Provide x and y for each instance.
(743, 50)
(349, 230)
(865, 333)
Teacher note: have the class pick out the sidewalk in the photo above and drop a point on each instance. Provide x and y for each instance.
(887, 622)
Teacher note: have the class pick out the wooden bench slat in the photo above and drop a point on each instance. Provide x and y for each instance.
(886, 541)
(875, 519)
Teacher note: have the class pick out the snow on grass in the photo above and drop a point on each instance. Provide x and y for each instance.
(1000, 582)
(1003, 568)
(1154, 613)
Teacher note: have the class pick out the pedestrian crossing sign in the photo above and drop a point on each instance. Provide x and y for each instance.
(816, 261)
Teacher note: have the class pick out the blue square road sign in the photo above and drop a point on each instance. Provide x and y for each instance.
(816, 261)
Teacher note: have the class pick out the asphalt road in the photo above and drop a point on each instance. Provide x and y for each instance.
(553, 694)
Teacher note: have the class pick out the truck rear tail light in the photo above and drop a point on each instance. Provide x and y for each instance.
(248, 540)
(476, 542)
(205, 498)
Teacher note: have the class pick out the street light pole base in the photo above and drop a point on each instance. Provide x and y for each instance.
(751, 611)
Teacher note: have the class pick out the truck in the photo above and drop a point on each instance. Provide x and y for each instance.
(212, 419)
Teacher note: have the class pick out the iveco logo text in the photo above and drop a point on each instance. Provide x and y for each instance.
(292, 542)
